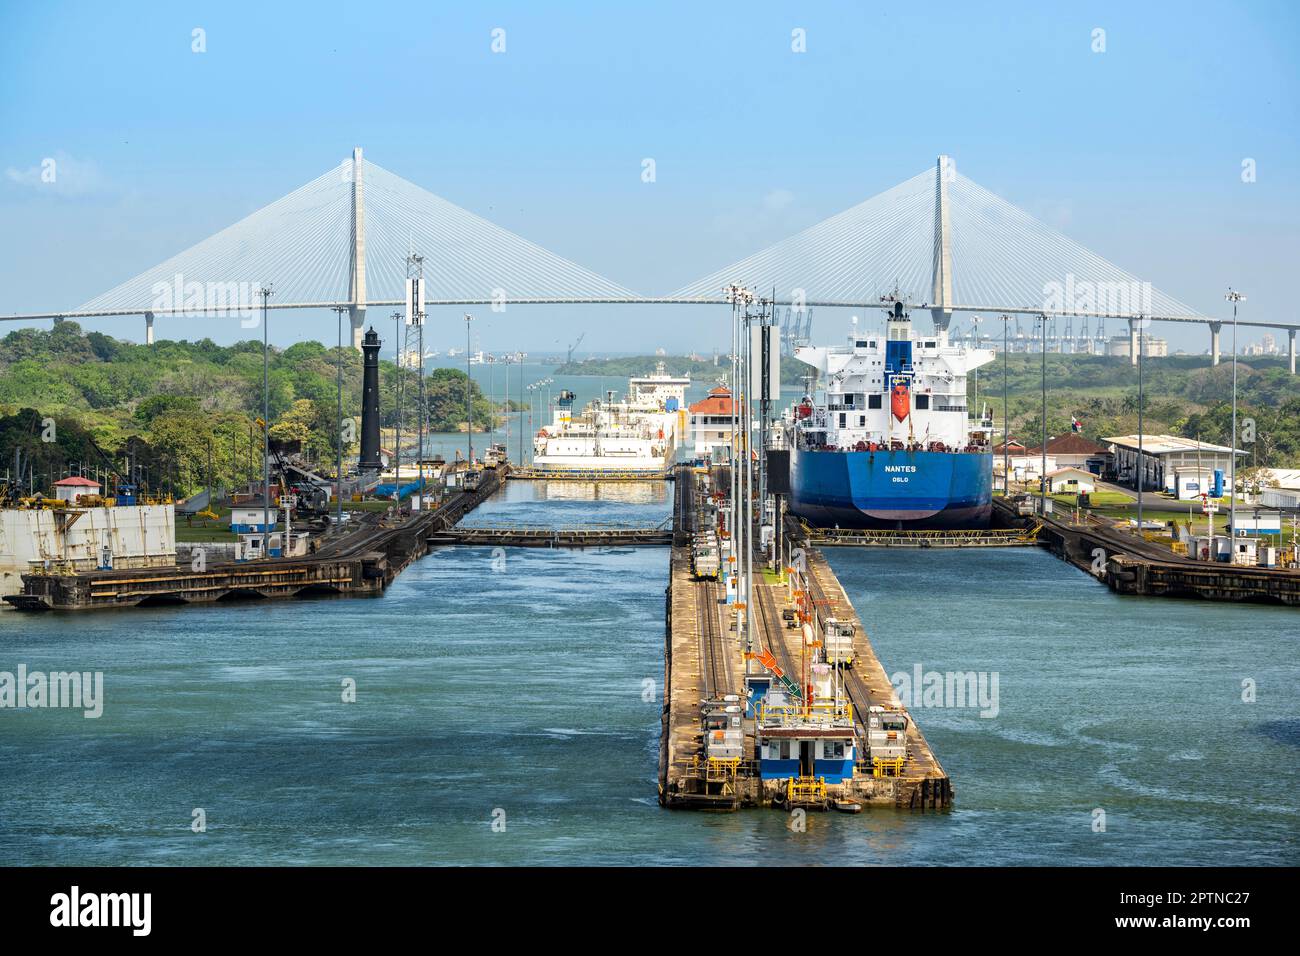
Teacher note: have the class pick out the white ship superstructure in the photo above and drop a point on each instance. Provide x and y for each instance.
(637, 434)
(896, 390)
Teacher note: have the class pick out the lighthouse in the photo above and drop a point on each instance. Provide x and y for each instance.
(370, 403)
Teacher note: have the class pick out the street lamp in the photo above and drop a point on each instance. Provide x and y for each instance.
(469, 408)
(1006, 425)
(266, 292)
(338, 437)
(1142, 471)
(1234, 298)
(1042, 478)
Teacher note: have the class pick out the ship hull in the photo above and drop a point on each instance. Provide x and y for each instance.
(892, 489)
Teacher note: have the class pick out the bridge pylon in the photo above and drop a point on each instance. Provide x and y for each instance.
(941, 274)
(357, 283)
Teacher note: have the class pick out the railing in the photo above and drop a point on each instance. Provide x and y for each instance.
(789, 715)
(510, 527)
(589, 474)
(990, 536)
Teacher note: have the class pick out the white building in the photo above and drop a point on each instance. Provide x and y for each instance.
(1071, 481)
(1162, 455)
(75, 487)
(710, 421)
(1025, 464)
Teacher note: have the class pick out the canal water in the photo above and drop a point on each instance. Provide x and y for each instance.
(507, 712)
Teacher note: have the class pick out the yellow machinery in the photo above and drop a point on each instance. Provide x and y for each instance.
(805, 790)
(887, 766)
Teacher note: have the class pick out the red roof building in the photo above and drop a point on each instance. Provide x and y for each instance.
(74, 487)
(1070, 445)
(710, 422)
(717, 402)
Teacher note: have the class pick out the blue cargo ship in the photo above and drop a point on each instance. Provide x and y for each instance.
(889, 442)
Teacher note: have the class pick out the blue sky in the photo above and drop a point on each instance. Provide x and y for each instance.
(1135, 152)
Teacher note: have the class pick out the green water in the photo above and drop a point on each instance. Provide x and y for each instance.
(510, 685)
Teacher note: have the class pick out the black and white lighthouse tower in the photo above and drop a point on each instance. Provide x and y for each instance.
(370, 403)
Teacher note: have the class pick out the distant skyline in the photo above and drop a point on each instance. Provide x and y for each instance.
(1172, 151)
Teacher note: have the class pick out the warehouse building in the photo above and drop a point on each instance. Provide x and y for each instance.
(1162, 455)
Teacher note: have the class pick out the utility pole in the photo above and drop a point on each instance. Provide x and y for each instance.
(266, 292)
(1234, 298)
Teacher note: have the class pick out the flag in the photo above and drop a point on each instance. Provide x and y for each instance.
(1075, 424)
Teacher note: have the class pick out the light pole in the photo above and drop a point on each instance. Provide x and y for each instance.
(521, 357)
(418, 262)
(338, 474)
(1142, 471)
(1042, 478)
(469, 407)
(266, 292)
(1006, 425)
(1234, 298)
(506, 407)
(397, 410)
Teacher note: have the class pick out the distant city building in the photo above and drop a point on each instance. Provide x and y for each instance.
(1152, 347)
(1267, 345)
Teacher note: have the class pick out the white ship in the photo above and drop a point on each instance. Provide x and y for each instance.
(637, 434)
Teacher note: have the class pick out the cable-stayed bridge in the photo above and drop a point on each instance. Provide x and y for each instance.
(343, 241)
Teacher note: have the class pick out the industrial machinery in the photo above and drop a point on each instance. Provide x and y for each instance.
(838, 642)
(886, 740)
